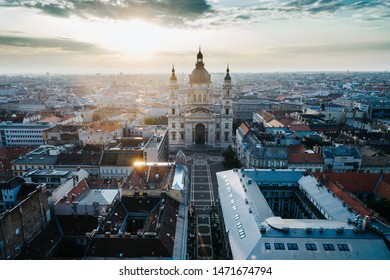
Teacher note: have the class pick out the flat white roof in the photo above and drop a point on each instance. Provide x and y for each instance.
(324, 200)
(245, 211)
(240, 225)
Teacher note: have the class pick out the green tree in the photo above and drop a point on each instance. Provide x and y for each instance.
(230, 159)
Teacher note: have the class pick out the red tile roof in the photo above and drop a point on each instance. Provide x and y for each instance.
(350, 200)
(300, 127)
(244, 128)
(383, 188)
(355, 182)
(266, 115)
(9, 154)
(287, 121)
(75, 192)
(296, 148)
(304, 157)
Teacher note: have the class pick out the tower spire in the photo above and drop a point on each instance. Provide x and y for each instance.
(227, 76)
(199, 58)
(173, 76)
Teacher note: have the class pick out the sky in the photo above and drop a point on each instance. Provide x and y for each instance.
(149, 36)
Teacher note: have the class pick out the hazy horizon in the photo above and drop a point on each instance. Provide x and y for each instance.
(252, 36)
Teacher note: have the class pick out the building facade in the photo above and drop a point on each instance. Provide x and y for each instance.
(341, 158)
(286, 215)
(16, 134)
(19, 225)
(202, 119)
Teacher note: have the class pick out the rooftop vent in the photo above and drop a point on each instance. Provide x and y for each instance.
(340, 230)
(286, 229)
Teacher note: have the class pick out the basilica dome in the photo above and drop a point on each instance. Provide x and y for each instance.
(200, 75)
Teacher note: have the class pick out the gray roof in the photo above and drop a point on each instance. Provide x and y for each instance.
(101, 196)
(250, 223)
(48, 172)
(36, 160)
(340, 151)
(320, 196)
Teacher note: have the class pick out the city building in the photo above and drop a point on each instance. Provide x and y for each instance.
(150, 220)
(62, 134)
(53, 179)
(253, 153)
(375, 164)
(7, 155)
(100, 133)
(286, 215)
(83, 200)
(146, 218)
(367, 187)
(311, 162)
(243, 108)
(44, 157)
(157, 110)
(341, 158)
(28, 134)
(266, 119)
(156, 148)
(86, 159)
(118, 163)
(20, 224)
(202, 119)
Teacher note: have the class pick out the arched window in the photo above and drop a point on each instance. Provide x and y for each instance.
(173, 111)
(227, 112)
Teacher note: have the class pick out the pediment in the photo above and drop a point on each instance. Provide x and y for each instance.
(200, 113)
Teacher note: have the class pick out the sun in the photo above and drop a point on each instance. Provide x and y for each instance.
(136, 38)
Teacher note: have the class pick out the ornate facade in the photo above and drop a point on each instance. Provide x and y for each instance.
(199, 118)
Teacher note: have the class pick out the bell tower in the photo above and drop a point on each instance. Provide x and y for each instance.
(173, 111)
(227, 111)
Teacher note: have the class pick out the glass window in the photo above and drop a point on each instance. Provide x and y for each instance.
(343, 247)
(292, 246)
(279, 246)
(329, 247)
(311, 247)
(267, 246)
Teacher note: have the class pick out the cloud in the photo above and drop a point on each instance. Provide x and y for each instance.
(331, 6)
(157, 10)
(55, 44)
(333, 48)
(203, 13)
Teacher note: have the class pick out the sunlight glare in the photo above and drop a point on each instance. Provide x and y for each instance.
(136, 38)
